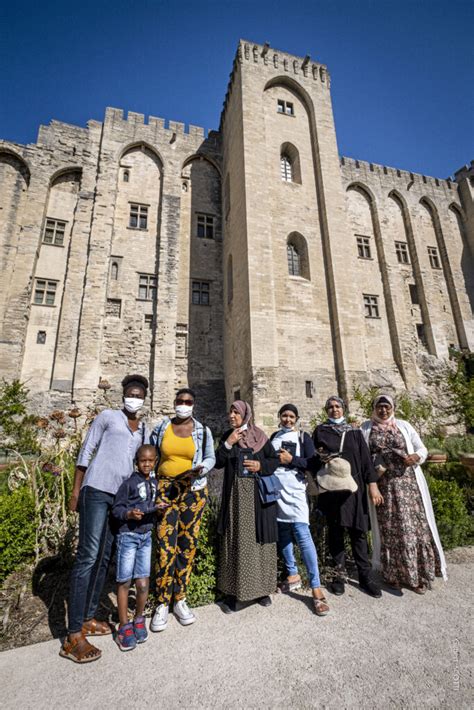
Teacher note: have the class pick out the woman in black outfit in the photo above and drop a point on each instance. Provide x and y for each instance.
(344, 509)
(248, 559)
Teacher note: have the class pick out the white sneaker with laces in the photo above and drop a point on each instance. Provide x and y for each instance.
(160, 618)
(183, 613)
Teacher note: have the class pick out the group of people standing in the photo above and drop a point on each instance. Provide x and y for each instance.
(129, 482)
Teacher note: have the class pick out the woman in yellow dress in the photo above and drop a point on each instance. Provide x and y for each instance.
(186, 455)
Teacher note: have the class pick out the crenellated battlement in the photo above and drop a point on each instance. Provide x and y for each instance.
(300, 67)
(170, 128)
(367, 169)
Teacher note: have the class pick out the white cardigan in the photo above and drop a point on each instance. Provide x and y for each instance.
(414, 446)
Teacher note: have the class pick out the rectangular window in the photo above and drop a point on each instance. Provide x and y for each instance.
(200, 293)
(309, 388)
(371, 306)
(146, 287)
(113, 307)
(420, 332)
(414, 294)
(138, 216)
(149, 320)
(285, 107)
(205, 226)
(41, 337)
(45, 292)
(401, 249)
(54, 232)
(363, 247)
(434, 258)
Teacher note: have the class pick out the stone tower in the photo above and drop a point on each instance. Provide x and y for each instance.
(305, 314)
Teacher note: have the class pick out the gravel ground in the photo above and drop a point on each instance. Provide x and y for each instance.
(404, 651)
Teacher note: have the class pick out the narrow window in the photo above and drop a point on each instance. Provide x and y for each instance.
(205, 226)
(401, 249)
(286, 169)
(138, 216)
(200, 293)
(420, 332)
(146, 287)
(414, 294)
(227, 195)
(230, 280)
(236, 395)
(114, 271)
(294, 260)
(41, 337)
(363, 247)
(113, 307)
(309, 388)
(54, 232)
(45, 292)
(434, 258)
(126, 175)
(371, 306)
(149, 320)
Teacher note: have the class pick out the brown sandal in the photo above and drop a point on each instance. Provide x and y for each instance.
(80, 650)
(96, 628)
(321, 607)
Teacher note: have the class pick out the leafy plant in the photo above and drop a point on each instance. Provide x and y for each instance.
(17, 530)
(365, 397)
(203, 583)
(455, 525)
(460, 382)
(19, 430)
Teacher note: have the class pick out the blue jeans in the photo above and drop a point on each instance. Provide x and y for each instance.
(92, 556)
(133, 556)
(302, 534)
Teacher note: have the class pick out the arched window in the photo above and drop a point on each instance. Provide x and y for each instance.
(297, 256)
(286, 168)
(114, 271)
(290, 168)
(126, 175)
(294, 260)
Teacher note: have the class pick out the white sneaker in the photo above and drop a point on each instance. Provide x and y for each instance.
(160, 618)
(183, 613)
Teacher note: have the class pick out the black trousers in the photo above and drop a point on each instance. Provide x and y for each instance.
(358, 544)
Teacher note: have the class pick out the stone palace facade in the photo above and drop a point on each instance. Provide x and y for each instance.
(252, 262)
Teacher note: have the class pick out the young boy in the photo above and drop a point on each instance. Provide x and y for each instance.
(136, 507)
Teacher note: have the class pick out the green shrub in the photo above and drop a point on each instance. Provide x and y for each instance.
(202, 586)
(17, 530)
(455, 525)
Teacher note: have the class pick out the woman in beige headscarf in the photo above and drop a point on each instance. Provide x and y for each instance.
(406, 544)
(248, 559)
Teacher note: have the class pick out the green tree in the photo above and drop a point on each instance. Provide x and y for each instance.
(18, 427)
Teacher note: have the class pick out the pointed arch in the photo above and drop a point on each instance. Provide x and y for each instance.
(290, 164)
(297, 256)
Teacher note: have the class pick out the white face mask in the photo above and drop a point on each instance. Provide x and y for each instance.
(133, 404)
(339, 420)
(183, 411)
(286, 428)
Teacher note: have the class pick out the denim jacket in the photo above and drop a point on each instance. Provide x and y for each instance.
(207, 458)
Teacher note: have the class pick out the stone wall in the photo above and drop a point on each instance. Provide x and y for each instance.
(175, 248)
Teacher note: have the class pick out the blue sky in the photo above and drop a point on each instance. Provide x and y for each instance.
(402, 72)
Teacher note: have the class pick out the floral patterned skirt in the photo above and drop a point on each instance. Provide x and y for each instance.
(408, 553)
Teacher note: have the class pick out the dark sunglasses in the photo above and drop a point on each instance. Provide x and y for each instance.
(185, 401)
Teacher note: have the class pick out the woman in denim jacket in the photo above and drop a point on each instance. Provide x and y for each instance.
(185, 450)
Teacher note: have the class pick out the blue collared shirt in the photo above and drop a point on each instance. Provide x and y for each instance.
(109, 449)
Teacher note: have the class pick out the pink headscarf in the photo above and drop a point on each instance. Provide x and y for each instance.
(383, 424)
(253, 437)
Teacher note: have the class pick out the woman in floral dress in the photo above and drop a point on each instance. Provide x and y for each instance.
(405, 537)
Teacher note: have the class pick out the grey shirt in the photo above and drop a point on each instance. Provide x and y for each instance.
(109, 450)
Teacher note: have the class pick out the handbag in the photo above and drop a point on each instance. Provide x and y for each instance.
(335, 466)
(269, 488)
